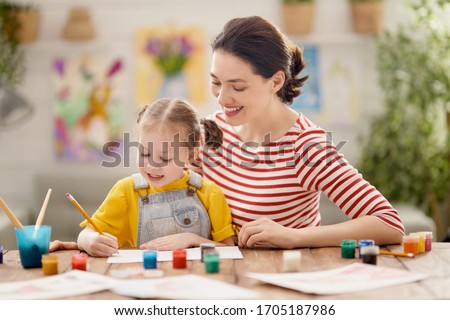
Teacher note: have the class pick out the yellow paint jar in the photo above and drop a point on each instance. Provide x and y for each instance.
(49, 264)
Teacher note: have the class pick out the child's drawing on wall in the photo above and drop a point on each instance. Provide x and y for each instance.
(87, 106)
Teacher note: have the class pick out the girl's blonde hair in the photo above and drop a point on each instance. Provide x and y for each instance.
(180, 114)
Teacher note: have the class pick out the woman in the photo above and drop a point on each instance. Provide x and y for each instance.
(274, 162)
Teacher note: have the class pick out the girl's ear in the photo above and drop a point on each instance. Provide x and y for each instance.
(194, 158)
(194, 155)
(277, 81)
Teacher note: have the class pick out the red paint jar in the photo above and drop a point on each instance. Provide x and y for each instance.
(179, 258)
(79, 261)
(428, 240)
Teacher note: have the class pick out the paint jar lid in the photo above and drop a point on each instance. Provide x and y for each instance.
(348, 243)
(375, 250)
(428, 234)
(411, 238)
(80, 257)
(179, 252)
(421, 235)
(47, 258)
(207, 245)
(150, 253)
(366, 242)
(211, 256)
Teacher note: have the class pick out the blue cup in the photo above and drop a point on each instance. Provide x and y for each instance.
(32, 244)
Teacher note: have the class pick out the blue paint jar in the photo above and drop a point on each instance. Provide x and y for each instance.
(150, 259)
(363, 243)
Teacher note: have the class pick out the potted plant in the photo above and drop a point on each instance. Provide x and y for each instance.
(12, 59)
(367, 16)
(406, 154)
(19, 21)
(298, 16)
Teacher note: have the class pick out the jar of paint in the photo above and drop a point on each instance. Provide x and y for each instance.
(362, 243)
(212, 261)
(421, 245)
(411, 243)
(369, 254)
(348, 248)
(179, 258)
(291, 260)
(49, 264)
(206, 247)
(428, 240)
(149, 259)
(79, 262)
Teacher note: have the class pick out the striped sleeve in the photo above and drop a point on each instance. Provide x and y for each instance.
(321, 167)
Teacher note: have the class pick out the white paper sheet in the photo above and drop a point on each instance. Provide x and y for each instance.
(182, 287)
(63, 285)
(352, 278)
(128, 256)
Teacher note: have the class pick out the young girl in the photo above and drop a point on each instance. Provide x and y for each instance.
(163, 206)
(274, 162)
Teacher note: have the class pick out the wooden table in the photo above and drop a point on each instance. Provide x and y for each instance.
(435, 263)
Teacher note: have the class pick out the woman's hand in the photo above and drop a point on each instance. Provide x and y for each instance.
(265, 231)
(61, 245)
(174, 241)
(97, 245)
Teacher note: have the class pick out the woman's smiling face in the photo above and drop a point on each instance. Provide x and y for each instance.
(242, 94)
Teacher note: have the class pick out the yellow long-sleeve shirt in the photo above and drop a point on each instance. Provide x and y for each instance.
(118, 214)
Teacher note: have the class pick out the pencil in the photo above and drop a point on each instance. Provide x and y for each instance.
(77, 205)
(398, 254)
(10, 214)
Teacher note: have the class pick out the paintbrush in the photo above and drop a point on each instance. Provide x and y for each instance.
(10, 215)
(398, 254)
(40, 217)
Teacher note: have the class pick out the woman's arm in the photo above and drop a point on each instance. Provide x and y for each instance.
(367, 227)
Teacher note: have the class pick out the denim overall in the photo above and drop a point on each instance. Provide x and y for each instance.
(171, 212)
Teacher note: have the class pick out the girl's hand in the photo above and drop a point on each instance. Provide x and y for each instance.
(174, 241)
(61, 245)
(98, 245)
(265, 231)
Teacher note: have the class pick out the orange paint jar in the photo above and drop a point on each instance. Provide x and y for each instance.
(411, 244)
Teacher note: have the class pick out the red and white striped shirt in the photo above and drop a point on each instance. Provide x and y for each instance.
(282, 180)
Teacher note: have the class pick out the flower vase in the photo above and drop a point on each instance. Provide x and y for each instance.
(174, 86)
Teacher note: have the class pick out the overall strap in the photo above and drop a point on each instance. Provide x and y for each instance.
(139, 182)
(195, 180)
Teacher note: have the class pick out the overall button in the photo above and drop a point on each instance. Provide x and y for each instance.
(190, 192)
(145, 199)
(187, 220)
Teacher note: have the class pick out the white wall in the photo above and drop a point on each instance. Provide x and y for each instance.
(28, 149)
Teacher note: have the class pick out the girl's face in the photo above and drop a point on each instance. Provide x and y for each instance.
(162, 156)
(243, 95)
